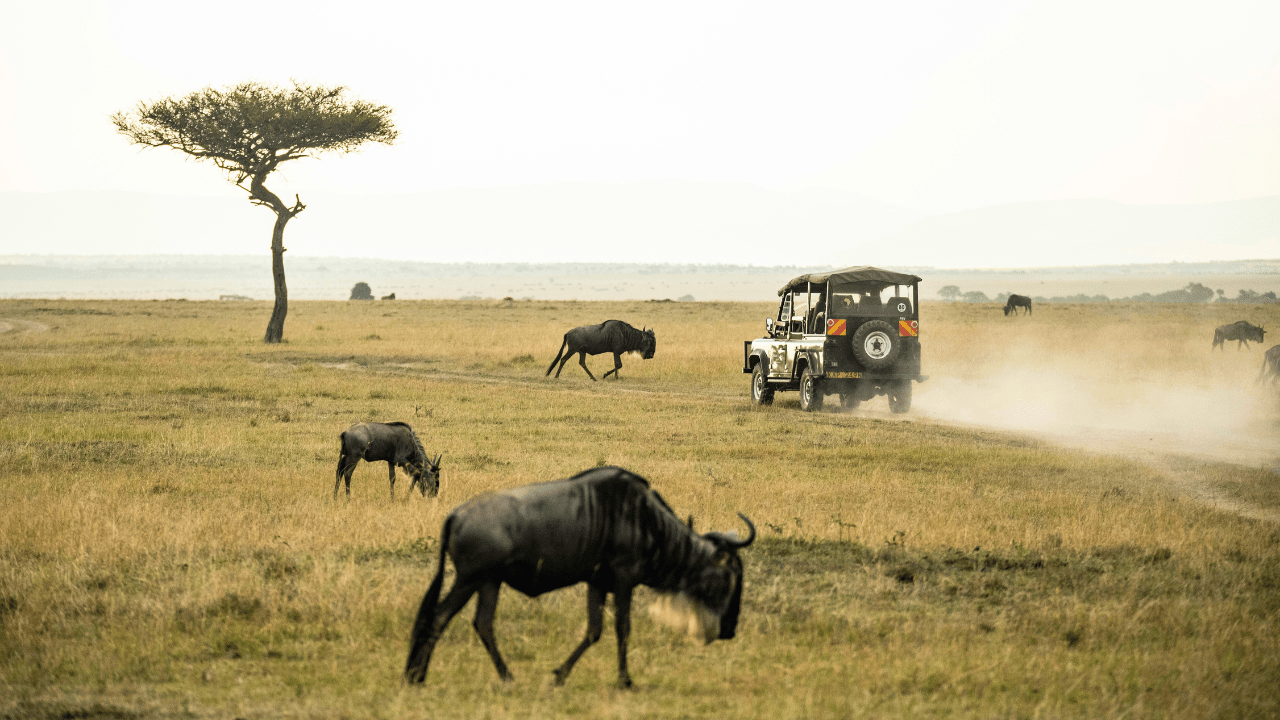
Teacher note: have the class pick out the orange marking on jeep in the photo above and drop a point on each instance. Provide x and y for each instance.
(835, 327)
(908, 328)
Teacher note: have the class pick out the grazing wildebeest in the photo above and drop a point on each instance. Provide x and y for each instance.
(396, 444)
(1271, 364)
(1238, 330)
(610, 336)
(604, 527)
(1017, 301)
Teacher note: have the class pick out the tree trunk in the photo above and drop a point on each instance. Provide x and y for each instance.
(260, 195)
(275, 327)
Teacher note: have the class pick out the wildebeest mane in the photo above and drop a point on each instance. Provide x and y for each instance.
(634, 338)
(417, 444)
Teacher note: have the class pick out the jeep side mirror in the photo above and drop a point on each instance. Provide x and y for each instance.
(768, 325)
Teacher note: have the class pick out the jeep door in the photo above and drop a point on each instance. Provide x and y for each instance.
(781, 350)
(800, 328)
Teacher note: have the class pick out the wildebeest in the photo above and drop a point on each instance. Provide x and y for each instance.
(396, 444)
(1238, 330)
(604, 527)
(1271, 364)
(610, 336)
(392, 296)
(1017, 301)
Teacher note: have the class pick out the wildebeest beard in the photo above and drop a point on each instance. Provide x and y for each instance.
(682, 613)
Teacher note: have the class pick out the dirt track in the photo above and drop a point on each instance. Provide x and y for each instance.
(11, 325)
(1160, 451)
(1247, 445)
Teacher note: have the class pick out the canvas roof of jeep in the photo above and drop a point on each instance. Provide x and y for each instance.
(863, 273)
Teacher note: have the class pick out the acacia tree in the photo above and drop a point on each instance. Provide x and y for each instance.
(249, 129)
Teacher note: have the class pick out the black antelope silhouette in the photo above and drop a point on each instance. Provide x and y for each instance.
(610, 336)
(605, 527)
(394, 443)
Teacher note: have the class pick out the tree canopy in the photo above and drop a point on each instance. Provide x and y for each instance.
(249, 129)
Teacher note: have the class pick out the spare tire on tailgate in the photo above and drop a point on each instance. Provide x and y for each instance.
(876, 345)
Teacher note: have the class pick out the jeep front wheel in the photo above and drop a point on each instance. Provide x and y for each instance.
(761, 393)
(876, 345)
(810, 392)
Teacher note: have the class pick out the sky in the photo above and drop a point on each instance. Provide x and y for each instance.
(933, 107)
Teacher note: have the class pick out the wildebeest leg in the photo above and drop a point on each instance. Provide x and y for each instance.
(582, 360)
(617, 365)
(564, 360)
(486, 605)
(420, 654)
(391, 467)
(622, 609)
(337, 480)
(595, 626)
(344, 474)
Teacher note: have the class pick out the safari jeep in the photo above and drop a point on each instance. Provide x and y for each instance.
(853, 332)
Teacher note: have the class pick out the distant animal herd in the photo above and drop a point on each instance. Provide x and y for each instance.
(1240, 331)
(605, 527)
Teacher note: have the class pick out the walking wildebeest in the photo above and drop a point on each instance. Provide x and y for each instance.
(1238, 330)
(1271, 363)
(396, 444)
(604, 527)
(610, 336)
(1017, 301)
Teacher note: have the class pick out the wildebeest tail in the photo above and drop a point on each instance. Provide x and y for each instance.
(342, 460)
(1263, 372)
(415, 667)
(559, 354)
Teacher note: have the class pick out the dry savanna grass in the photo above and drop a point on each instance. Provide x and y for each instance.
(169, 546)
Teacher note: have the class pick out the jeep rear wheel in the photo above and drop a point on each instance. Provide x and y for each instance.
(761, 393)
(876, 345)
(810, 392)
(900, 396)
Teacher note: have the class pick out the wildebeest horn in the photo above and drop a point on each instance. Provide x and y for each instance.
(750, 525)
(734, 543)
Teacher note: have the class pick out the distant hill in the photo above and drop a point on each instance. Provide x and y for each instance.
(1092, 232)
(206, 277)
(651, 221)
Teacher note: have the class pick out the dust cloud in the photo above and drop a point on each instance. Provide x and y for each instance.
(1233, 424)
(1140, 384)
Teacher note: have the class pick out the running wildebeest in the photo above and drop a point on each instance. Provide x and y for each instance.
(396, 444)
(610, 336)
(1271, 364)
(1238, 330)
(1017, 301)
(604, 527)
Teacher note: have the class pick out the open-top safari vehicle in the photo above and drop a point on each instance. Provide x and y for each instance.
(853, 332)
